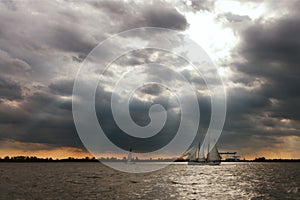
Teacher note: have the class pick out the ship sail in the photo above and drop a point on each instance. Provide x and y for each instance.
(213, 155)
(201, 156)
(192, 154)
(198, 156)
(129, 158)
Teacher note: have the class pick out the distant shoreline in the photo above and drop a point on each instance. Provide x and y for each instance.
(93, 159)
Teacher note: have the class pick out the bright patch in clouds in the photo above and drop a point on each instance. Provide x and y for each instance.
(212, 36)
(253, 10)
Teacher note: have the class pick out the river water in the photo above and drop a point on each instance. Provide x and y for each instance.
(177, 181)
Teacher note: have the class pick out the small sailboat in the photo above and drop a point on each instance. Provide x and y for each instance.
(129, 157)
(197, 156)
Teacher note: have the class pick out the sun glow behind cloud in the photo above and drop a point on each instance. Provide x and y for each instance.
(215, 39)
(253, 9)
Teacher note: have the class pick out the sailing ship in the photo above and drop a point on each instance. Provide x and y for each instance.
(197, 156)
(129, 157)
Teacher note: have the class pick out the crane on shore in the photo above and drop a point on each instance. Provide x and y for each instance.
(233, 158)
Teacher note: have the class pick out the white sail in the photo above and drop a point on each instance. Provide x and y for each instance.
(192, 154)
(213, 155)
(129, 158)
(201, 156)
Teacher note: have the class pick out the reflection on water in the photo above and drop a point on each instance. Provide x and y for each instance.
(178, 181)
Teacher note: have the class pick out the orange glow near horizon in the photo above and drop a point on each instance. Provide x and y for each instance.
(59, 153)
(288, 149)
(66, 152)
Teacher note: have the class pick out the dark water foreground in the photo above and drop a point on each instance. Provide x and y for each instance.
(178, 181)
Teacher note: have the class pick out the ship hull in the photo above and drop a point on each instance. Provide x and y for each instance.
(203, 163)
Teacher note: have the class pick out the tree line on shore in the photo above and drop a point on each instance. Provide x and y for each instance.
(93, 159)
(36, 159)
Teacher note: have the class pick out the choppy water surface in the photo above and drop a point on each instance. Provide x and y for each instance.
(178, 181)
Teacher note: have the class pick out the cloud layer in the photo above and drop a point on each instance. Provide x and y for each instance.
(42, 45)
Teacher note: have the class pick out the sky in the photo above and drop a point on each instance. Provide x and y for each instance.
(254, 44)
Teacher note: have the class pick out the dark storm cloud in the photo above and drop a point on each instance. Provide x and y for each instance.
(272, 43)
(236, 18)
(13, 66)
(12, 116)
(266, 66)
(152, 14)
(62, 87)
(48, 36)
(9, 89)
(272, 53)
(48, 103)
(71, 39)
(271, 49)
(11, 5)
(232, 19)
(41, 33)
(245, 109)
(288, 108)
(148, 95)
(41, 44)
(246, 101)
(77, 32)
(150, 55)
(195, 5)
(198, 5)
(152, 89)
(158, 16)
(41, 118)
